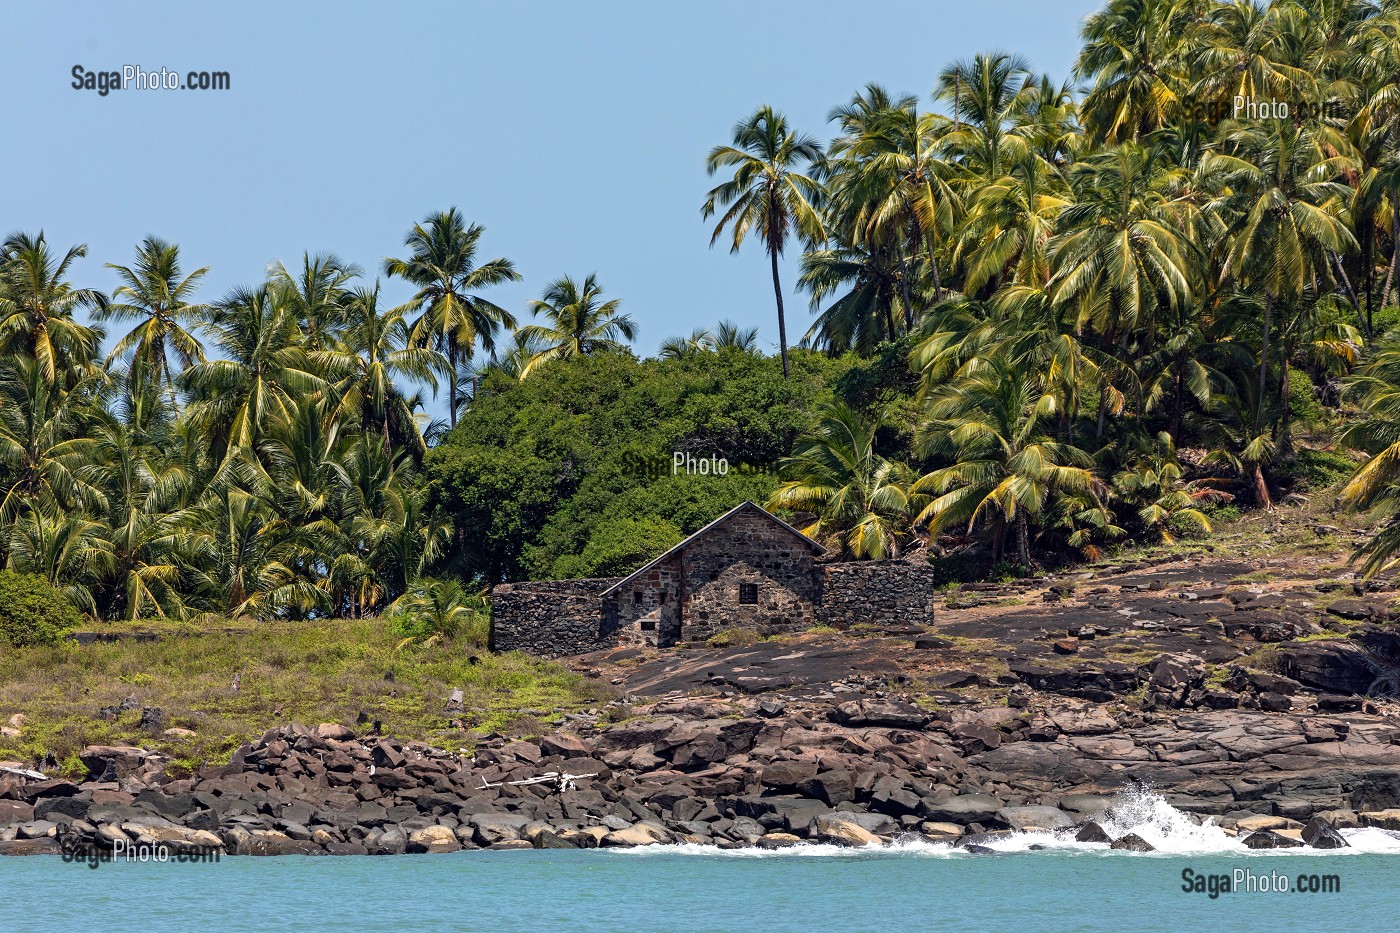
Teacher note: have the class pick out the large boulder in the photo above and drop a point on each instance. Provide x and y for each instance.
(891, 713)
(1269, 839)
(788, 774)
(645, 833)
(433, 839)
(839, 829)
(1132, 842)
(123, 758)
(1320, 835)
(1035, 819)
(962, 809)
(492, 828)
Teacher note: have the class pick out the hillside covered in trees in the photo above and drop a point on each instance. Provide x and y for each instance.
(1049, 315)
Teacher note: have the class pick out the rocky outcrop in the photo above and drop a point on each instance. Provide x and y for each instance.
(732, 772)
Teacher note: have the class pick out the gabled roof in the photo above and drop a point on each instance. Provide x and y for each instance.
(743, 506)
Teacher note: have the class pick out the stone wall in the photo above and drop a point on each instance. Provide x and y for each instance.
(646, 608)
(748, 549)
(886, 592)
(551, 618)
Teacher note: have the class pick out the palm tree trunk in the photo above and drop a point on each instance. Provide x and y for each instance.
(1261, 488)
(1351, 293)
(1178, 398)
(1394, 252)
(1283, 399)
(452, 382)
(782, 323)
(1023, 541)
(1368, 262)
(1262, 393)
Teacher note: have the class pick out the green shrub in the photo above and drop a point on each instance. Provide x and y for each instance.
(1302, 397)
(32, 611)
(1317, 469)
(1222, 514)
(733, 638)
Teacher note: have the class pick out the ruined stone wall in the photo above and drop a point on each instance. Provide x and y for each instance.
(885, 592)
(646, 608)
(748, 549)
(552, 618)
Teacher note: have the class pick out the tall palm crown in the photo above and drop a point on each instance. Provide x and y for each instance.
(453, 316)
(580, 324)
(156, 293)
(37, 304)
(374, 350)
(263, 379)
(316, 295)
(767, 192)
(1283, 202)
(1135, 50)
(890, 185)
(988, 94)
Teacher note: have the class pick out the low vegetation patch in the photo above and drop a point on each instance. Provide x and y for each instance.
(328, 671)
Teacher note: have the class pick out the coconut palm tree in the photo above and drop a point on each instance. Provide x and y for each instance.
(37, 304)
(315, 296)
(890, 186)
(1283, 204)
(155, 292)
(579, 323)
(452, 314)
(767, 192)
(994, 424)
(265, 376)
(373, 351)
(858, 496)
(1136, 56)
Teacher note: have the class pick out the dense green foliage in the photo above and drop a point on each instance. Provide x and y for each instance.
(1030, 304)
(32, 611)
(569, 472)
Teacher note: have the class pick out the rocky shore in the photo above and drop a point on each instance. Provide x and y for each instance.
(734, 772)
(1257, 698)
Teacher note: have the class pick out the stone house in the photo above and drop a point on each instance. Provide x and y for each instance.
(746, 569)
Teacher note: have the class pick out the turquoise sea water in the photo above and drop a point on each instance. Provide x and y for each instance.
(681, 889)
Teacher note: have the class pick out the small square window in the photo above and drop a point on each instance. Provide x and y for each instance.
(748, 594)
(648, 625)
(636, 597)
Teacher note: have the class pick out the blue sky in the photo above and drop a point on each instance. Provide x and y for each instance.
(575, 133)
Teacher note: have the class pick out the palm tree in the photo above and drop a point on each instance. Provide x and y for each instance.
(316, 296)
(857, 495)
(989, 94)
(453, 315)
(1006, 469)
(1135, 52)
(580, 324)
(154, 292)
(1283, 206)
(37, 305)
(263, 380)
(373, 351)
(890, 188)
(767, 193)
(46, 447)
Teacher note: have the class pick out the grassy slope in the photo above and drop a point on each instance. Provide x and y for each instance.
(310, 672)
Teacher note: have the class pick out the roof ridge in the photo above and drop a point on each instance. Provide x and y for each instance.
(746, 504)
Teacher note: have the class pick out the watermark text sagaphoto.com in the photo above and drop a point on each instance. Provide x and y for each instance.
(123, 852)
(134, 77)
(1246, 881)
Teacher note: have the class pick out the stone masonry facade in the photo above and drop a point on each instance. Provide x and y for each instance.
(747, 569)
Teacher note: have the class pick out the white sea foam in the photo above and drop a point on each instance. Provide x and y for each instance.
(1168, 830)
